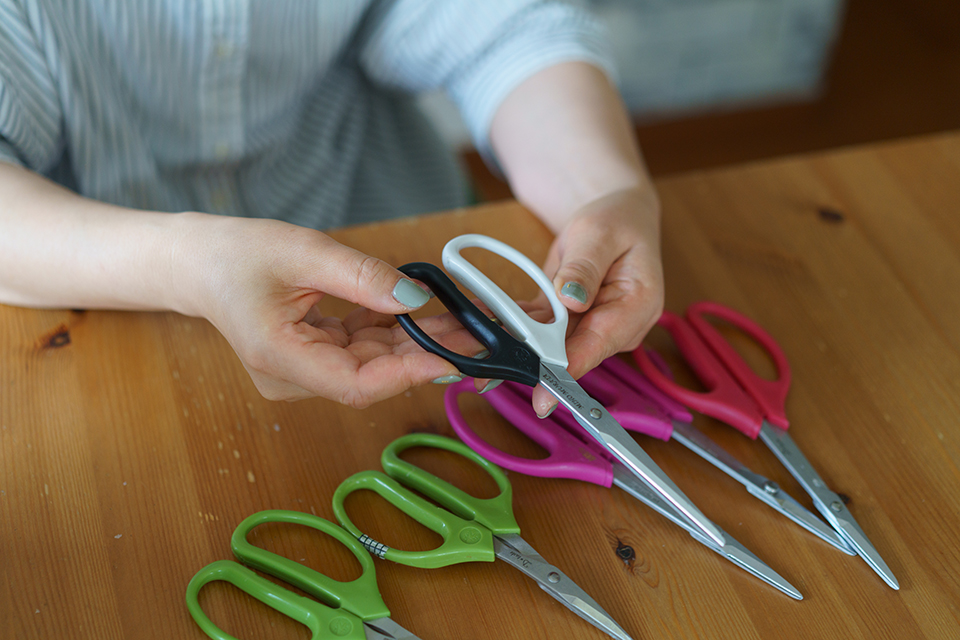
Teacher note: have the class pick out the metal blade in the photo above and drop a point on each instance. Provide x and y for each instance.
(759, 487)
(513, 550)
(598, 422)
(859, 541)
(746, 560)
(731, 550)
(828, 503)
(386, 629)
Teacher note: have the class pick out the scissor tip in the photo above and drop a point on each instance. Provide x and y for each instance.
(891, 580)
(614, 630)
(786, 588)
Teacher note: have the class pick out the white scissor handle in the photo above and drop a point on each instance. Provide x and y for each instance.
(548, 340)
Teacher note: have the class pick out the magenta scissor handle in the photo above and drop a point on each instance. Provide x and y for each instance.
(664, 408)
(771, 395)
(723, 399)
(610, 385)
(569, 457)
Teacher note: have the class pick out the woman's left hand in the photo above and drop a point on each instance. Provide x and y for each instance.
(568, 148)
(606, 268)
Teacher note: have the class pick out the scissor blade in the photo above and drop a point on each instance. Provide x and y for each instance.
(386, 629)
(746, 560)
(789, 507)
(513, 550)
(731, 550)
(859, 541)
(598, 422)
(759, 487)
(828, 503)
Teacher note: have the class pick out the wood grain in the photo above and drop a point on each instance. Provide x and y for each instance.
(132, 444)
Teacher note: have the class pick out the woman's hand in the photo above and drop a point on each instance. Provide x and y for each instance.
(606, 269)
(260, 282)
(567, 146)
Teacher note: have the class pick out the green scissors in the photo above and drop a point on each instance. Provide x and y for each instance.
(473, 529)
(351, 610)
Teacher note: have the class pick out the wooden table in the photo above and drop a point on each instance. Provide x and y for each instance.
(133, 443)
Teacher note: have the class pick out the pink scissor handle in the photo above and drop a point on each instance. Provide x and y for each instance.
(771, 395)
(669, 408)
(610, 386)
(568, 456)
(724, 399)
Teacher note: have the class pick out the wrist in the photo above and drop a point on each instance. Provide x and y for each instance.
(190, 262)
(637, 203)
(565, 140)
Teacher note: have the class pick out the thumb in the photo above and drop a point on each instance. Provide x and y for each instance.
(583, 264)
(370, 282)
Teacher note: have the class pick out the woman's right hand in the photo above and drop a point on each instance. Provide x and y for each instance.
(260, 281)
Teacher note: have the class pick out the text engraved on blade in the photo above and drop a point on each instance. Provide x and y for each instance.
(566, 394)
(519, 558)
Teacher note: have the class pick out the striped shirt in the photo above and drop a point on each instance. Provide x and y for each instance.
(300, 110)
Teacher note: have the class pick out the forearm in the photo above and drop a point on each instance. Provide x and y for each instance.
(564, 140)
(567, 147)
(258, 281)
(60, 250)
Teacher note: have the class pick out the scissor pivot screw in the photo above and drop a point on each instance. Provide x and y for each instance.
(836, 506)
(771, 487)
(595, 414)
(554, 577)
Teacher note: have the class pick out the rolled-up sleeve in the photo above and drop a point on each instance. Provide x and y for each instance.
(31, 119)
(478, 51)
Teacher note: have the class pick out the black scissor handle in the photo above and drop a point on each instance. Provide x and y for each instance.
(509, 358)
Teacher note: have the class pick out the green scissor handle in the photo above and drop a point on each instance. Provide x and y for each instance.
(319, 618)
(360, 596)
(467, 528)
(494, 513)
(463, 541)
(345, 604)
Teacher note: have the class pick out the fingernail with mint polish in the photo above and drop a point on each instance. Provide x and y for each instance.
(548, 413)
(447, 379)
(490, 386)
(410, 294)
(575, 291)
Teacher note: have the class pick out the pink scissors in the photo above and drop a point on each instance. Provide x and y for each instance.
(755, 406)
(640, 406)
(574, 455)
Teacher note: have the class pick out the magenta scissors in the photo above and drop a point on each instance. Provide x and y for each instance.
(753, 405)
(640, 406)
(572, 454)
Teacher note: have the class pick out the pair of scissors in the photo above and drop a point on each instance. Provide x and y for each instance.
(573, 455)
(473, 529)
(537, 355)
(640, 406)
(753, 405)
(352, 610)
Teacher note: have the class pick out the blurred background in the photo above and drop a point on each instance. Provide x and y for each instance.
(718, 82)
